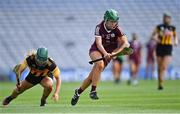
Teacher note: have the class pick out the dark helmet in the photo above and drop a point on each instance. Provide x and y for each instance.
(41, 55)
(167, 14)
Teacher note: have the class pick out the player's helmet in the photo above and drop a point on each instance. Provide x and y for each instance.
(167, 14)
(41, 56)
(167, 18)
(111, 14)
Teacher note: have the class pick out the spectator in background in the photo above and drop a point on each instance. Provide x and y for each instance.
(165, 36)
(150, 59)
(134, 59)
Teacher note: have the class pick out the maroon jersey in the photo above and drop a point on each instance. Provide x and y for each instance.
(136, 56)
(109, 37)
(151, 46)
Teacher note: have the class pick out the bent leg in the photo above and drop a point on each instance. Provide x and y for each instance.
(24, 85)
(47, 84)
(94, 75)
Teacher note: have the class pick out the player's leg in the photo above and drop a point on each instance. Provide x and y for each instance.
(132, 71)
(47, 84)
(148, 65)
(152, 70)
(24, 85)
(135, 78)
(117, 68)
(116, 71)
(160, 72)
(96, 73)
(84, 85)
(164, 61)
(93, 77)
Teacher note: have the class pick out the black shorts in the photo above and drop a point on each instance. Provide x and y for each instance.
(35, 79)
(163, 50)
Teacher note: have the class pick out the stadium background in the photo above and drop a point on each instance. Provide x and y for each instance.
(66, 28)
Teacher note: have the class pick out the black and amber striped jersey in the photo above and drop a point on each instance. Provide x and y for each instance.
(49, 69)
(166, 33)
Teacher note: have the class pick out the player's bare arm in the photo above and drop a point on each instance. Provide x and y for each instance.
(175, 38)
(155, 35)
(101, 48)
(123, 43)
(21, 67)
(56, 74)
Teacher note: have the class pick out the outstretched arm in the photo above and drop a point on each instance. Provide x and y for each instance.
(56, 74)
(18, 69)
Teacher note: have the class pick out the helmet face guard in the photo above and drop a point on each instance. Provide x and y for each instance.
(111, 24)
(41, 56)
(40, 61)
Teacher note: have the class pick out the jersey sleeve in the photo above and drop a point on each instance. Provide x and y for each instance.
(54, 68)
(56, 72)
(24, 63)
(174, 31)
(158, 28)
(119, 32)
(97, 31)
(29, 60)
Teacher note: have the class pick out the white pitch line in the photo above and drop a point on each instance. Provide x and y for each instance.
(36, 106)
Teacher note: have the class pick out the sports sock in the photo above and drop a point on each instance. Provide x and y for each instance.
(80, 91)
(93, 88)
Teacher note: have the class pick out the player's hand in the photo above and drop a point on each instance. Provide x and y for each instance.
(108, 57)
(112, 54)
(55, 97)
(18, 86)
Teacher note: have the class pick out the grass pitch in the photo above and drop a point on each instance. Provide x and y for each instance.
(143, 98)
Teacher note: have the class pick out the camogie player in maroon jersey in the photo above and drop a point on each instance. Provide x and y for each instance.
(109, 40)
(150, 59)
(134, 59)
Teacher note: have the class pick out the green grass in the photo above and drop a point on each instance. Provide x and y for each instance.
(144, 98)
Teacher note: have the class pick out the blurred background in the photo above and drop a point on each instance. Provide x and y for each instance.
(66, 28)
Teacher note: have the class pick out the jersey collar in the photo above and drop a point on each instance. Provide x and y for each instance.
(106, 28)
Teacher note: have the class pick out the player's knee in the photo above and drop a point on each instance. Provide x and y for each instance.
(100, 66)
(49, 87)
(162, 68)
(88, 79)
(18, 91)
